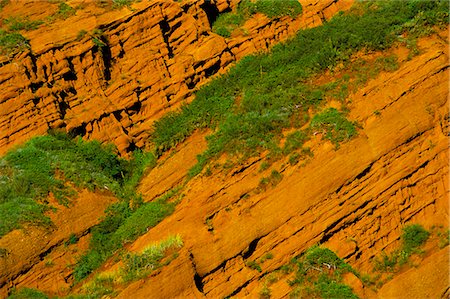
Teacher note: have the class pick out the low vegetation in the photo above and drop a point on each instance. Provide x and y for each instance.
(27, 293)
(249, 110)
(138, 265)
(64, 11)
(135, 266)
(122, 224)
(413, 237)
(226, 23)
(334, 125)
(12, 43)
(59, 165)
(20, 23)
(317, 273)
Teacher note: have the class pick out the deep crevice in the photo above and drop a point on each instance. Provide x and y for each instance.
(135, 108)
(77, 131)
(165, 30)
(70, 75)
(122, 51)
(251, 248)
(132, 147)
(106, 56)
(243, 168)
(35, 86)
(198, 282)
(235, 292)
(197, 279)
(36, 100)
(212, 69)
(331, 229)
(117, 115)
(212, 12)
(364, 172)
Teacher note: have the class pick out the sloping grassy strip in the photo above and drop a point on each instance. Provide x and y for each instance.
(250, 105)
(59, 165)
(120, 226)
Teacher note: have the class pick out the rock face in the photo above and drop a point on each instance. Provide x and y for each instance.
(111, 84)
(354, 200)
(41, 257)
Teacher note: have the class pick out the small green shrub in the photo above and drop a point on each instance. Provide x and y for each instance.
(226, 23)
(317, 256)
(122, 3)
(329, 288)
(73, 239)
(140, 265)
(253, 265)
(82, 33)
(318, 274)
(265, 292)
(386, 262)
(294, 158)
(12, 42)
(337, 128)
(294, 141)
(18, 23)
(27, 293)
(64, 11)
(413, 237)
(267, 256)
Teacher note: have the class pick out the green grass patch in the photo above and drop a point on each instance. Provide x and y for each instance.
(335, 126)
(272, 8)
(227, 22)
(248, 107)
(138, 265)
(61, 165)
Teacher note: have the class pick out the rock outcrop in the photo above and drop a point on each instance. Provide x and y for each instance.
(108, 77)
